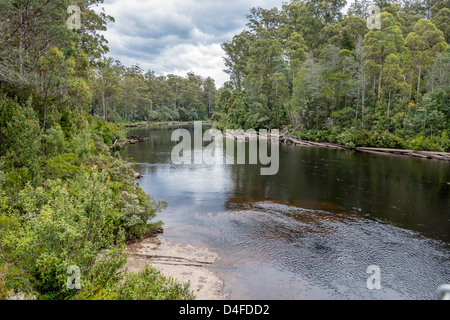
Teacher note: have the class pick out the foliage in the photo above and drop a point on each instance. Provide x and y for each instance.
(148, 284)
(332, 79)
(19, 128)
(128, 94)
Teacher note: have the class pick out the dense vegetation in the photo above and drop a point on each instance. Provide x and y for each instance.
(328, 77)
(128, 94)
(65, 198)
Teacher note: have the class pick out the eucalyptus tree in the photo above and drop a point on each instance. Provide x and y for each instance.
(380, 43)
(425, 43)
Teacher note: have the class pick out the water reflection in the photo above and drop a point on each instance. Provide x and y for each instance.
(312, 230)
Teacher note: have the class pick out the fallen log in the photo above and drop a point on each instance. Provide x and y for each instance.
(431, 155)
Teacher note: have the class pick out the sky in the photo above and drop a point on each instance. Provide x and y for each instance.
(177, 36)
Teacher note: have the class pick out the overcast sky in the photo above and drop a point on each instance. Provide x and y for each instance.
(177, 36)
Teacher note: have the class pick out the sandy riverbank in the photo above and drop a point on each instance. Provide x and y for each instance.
(182, 262)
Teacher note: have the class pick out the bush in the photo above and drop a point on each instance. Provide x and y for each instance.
(151, 285)
(68, 224)
(62, 166)
(436, 143)
(387, 140)
(109, 132)
(54, 141)
(19, 134)
(148, 284)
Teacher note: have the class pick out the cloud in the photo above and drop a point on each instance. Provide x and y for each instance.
(177, 36)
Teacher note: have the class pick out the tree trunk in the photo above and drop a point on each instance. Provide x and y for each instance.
(104, 105)
(363, 103)
(389, 104)
(380, 80)
(420, 75)
(410, 85)
(21, 43)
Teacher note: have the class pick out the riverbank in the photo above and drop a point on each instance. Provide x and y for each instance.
(161, 124)
(430, 155)
(293, 140)
(184, 263)
(117, 146)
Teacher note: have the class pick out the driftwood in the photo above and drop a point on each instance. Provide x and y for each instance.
(432, 155)
(137, 176)
(117, 146)
(292, 140)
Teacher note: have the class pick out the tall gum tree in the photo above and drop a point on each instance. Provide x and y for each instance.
(380, 43)
(425, 42)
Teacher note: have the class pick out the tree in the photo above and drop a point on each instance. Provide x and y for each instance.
(442, 22)
(29, 29)
(237, 55)
(392, 77)
(58, 82)
(210, 94)
(106, 83)
(345, 33)
(425, 42)
(306, 101)
(359, 8)
(379, 44)
(296, 53)
(438, 74)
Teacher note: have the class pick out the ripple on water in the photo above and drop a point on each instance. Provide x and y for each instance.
(318, 254)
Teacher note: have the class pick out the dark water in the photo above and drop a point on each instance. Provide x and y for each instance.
(312, 230)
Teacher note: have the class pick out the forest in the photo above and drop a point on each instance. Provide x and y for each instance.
(328, 77)
(68, 204)
(309, 68)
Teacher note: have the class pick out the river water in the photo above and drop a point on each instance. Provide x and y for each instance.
(312, 230)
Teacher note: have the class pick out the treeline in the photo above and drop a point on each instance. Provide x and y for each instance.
(329, 77)
(128, 94)
(67, 202)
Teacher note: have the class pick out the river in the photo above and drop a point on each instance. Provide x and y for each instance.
(313, 230)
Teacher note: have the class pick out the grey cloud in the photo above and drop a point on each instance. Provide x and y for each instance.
(171, 35)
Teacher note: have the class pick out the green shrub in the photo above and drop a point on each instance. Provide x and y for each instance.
(149, 284)
(67, 223)
(54, 141)
(62, 166)
(19, 134)
(437, 143)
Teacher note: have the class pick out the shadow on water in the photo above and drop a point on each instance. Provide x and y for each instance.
(312, 230)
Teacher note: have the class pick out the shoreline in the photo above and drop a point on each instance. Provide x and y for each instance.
(163, 124)
(286, 139)
(292, 140)
(426, 155)
(184, 263)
